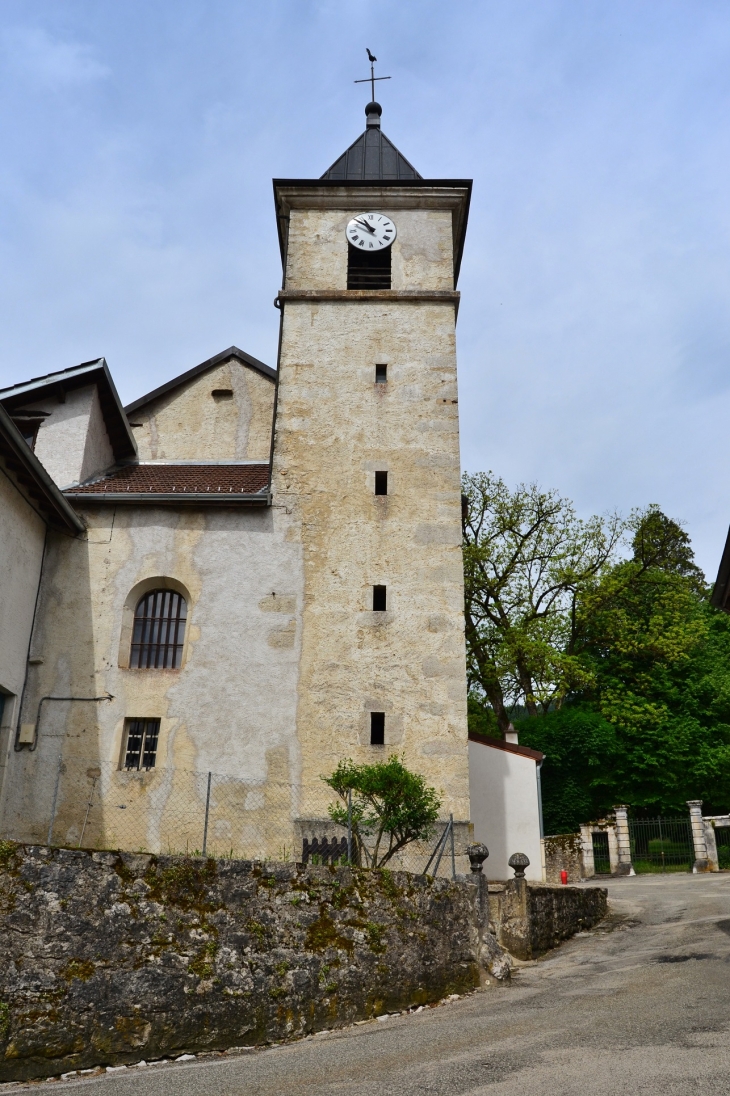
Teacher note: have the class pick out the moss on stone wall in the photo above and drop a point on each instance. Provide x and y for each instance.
(563, 852)
(112, 957)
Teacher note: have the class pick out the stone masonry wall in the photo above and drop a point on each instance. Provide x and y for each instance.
(531, 918)
(336, 426)
(111, 957)
(563, 852)
(557, 913)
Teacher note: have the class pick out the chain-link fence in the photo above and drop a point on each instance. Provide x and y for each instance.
(96, 805)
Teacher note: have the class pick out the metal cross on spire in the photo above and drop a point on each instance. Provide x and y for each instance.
(372, 77)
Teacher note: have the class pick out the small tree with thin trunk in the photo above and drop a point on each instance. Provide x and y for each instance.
(391, 807)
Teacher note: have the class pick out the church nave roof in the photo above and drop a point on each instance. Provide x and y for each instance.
(208, 483)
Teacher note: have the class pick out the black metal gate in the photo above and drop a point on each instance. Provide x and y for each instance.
(661, 844)
(601, 859)
(722, 840)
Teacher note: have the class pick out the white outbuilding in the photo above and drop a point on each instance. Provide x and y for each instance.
(506, 808)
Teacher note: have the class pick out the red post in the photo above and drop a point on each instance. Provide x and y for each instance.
(563, 877)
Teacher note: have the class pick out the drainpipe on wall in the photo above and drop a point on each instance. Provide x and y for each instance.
(33, 728)
(543, 859)
(17, 744)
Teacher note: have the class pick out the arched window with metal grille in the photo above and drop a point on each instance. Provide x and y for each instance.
(159, 631)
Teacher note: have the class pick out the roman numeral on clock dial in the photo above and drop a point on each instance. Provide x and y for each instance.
(373, 231)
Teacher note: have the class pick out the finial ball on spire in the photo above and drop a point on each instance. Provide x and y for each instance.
(373, 111)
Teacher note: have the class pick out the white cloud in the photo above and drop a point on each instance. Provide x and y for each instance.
(50, 62)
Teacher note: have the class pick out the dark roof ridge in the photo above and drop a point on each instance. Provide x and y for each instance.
(719, 595)
(96, 371)
(34, 382)
(372, 156)
(37, 485)
(190, 374)
(508, 747)
(227, 461)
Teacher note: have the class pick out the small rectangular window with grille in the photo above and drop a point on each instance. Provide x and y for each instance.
(381, 374)
(368, 269)
(377, 728)
(141, 749)
(381, 483)
(379, 599)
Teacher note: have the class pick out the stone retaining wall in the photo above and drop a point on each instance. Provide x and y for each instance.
(106, 958)
(531, 918)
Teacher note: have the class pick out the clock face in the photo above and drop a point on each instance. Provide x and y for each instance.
(370, 231)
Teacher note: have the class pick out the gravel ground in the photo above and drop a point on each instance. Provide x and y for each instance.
(639, 1006)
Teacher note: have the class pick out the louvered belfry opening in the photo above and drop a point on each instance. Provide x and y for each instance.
(159, 631)
(368, 269)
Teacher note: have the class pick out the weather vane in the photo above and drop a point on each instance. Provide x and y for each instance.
(372, 77)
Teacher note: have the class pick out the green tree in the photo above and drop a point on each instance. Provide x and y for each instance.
(651, 726)
(578, 775)
(527, 561)
(643, 621)
(391, 806)
(659, 542)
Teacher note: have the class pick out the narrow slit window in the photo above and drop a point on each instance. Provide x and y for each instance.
(159, 631)
(379, 599)
(377, 728)
(381, 374)
(368, 269)
(381, 483)
(141, 749)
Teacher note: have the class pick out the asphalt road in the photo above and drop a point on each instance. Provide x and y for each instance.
(640, 1007)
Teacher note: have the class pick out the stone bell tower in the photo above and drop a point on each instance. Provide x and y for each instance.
(366, 461)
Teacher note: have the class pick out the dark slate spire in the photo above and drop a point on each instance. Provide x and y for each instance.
(372, 156)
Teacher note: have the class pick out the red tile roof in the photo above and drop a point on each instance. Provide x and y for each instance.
(508, 747)
(165, 479)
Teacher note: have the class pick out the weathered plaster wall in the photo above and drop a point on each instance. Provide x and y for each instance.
(230, 709)
(278, 680)
(107, 958)
(504, 808)
(422, 254)
(335, 428)
(72, 444)
(189, 423)
(22, 533)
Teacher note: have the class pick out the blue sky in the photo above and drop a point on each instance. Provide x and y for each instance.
(136, 220)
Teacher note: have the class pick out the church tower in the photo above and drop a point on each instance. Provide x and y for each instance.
(366, 471)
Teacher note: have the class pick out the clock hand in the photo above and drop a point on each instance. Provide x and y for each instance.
(364, 225)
